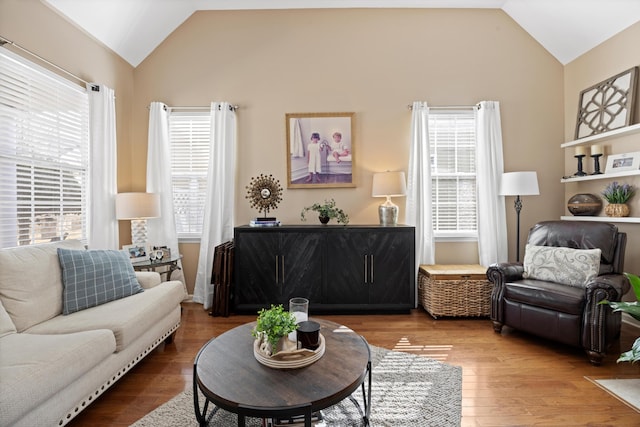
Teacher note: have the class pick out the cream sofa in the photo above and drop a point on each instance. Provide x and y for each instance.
(52, 366)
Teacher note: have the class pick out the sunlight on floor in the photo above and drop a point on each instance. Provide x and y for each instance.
(437, 352)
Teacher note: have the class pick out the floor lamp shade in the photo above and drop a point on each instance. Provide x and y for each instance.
(388, 184)
(519, 184)
(137, 207)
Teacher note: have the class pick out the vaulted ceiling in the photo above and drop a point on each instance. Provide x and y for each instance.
(134, 28)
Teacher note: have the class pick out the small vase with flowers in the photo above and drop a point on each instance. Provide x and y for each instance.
(618, 195)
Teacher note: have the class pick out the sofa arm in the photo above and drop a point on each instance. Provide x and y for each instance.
(499, 274)
(148, 279)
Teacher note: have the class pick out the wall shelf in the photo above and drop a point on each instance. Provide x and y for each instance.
(627, 130)
(600, 176)
(627, 219)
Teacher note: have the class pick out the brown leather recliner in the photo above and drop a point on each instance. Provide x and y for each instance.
(567, 314)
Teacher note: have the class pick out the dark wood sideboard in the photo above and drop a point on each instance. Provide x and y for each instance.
(340, 269)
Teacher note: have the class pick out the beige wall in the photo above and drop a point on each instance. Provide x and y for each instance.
(371, 62)
(608, 59)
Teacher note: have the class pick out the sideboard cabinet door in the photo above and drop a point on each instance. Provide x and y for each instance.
(273, 266)
(371, 267)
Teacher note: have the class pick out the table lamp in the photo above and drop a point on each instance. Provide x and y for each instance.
(138, 207)
(519, 184)
(388, 184)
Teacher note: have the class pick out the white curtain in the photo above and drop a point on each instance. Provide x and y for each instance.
(161, 231)
(103, 225)
(219, 203)
(419, 186)
(492, 221)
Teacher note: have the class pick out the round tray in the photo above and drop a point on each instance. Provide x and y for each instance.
(290, 359)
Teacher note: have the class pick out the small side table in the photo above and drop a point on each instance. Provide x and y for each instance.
(148, 265)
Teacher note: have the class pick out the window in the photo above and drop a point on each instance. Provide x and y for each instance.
(44, 154)
(452, 136)
(190, 147)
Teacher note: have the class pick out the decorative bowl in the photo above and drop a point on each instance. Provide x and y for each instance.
(584, 204)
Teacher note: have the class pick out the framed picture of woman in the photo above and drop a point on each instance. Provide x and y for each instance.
(320, 150)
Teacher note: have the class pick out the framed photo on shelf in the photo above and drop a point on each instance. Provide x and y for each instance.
(320, 150)
(623, 162)
(136, 253)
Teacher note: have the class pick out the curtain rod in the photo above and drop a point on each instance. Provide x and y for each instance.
(208, 107)
(450, 107)
(4, 41)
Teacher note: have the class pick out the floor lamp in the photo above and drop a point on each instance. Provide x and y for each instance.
(519, 184)
(138, 207)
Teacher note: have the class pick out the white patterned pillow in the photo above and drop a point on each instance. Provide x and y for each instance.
(574, 267)
(92, 278)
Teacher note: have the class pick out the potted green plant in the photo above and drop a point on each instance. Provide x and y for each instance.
(326, 211)
(272, 325)
(618, 195)
(633, 308)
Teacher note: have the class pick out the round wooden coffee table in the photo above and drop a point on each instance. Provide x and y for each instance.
(227, 373)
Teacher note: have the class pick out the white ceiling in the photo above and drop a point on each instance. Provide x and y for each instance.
(134, 28)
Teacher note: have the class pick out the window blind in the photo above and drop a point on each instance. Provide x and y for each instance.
(44, 154)
(190, 148)
(452, 136)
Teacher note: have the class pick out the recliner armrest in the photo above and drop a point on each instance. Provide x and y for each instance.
(505, 272)
(612, 287)
(599, 325)
(499, 274)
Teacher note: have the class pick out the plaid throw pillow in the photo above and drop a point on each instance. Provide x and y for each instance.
(94, 277)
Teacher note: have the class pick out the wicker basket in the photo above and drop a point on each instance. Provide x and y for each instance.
(454, 290)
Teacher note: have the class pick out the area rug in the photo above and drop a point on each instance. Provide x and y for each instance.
(626, 390)
(407, 390)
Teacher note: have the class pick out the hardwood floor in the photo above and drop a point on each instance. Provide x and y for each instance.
(511, 379)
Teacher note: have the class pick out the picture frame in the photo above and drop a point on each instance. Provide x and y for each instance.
(166, 252)
(623, 162)
(320, 150)
(607, 105)
(136, 252)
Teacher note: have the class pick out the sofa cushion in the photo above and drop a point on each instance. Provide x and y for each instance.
(128, 317)
(573, 267)
(31, 282)
(35, 367)
(6, 324)
(92, 278)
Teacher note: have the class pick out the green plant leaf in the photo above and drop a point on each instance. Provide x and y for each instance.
(275, 323)
(635, 283)
(632, 355)
(328, 209)
(627, 307)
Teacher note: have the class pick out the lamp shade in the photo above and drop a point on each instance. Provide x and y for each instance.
(519, 184)
(388, 184)
(137, 205)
